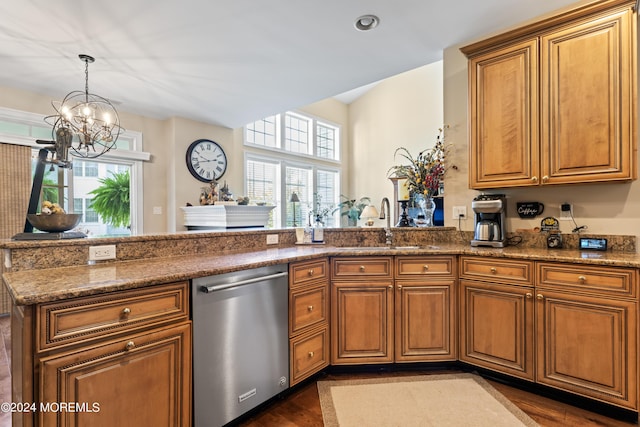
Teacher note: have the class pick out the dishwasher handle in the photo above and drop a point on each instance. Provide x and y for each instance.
(213, 288)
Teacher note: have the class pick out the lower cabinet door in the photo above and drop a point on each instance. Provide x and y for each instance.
(140, 380)
(587, 345)
(425, 321)
(496, 327)
(362, 322)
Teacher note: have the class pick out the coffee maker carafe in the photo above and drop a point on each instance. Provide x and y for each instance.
(489, 212)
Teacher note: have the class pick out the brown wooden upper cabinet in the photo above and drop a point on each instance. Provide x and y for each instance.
(555, 102)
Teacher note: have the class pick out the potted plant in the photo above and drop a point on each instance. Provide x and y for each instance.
(352, 209)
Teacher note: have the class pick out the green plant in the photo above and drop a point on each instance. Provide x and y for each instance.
(111, 199)
(351, 208)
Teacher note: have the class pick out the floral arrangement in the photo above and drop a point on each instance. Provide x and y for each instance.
(426, 170)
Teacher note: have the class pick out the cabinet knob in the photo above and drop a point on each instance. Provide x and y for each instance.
(311, 354)
(310, 308)
(399, 287)
(545, 178)
(362, 268)
(130, 345)
(582, 279)
(126, 311)
(528, 295)
(540, 296)
(425, 267)
(534, 179)
(494, 270)
(390, 286)
(311, 272)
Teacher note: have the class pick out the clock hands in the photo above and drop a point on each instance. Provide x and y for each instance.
(204, 159)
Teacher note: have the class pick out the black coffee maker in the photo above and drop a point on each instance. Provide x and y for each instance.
(489, 212)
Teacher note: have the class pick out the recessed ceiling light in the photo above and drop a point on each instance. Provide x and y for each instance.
(366, 22)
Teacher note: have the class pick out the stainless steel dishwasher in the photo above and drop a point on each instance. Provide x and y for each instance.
(240, 342)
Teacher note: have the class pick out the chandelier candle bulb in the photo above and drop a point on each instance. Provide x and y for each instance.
(403, 190)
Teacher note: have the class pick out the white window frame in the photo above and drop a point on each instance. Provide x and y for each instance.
(133, 158)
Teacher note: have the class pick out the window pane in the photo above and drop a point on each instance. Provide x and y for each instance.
(262, 185)
(90, 169)
(263, 132)
(296, 137)
(326, 142)
(326, 190)
(89, 214)
(298, 180)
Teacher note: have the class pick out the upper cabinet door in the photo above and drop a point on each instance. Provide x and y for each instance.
(504, 117)
(588, 101)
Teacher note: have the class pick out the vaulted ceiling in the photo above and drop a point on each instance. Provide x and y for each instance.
(229, 62)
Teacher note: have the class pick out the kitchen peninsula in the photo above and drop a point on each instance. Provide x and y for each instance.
(78, 327)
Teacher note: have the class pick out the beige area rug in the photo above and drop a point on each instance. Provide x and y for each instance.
(427, 400)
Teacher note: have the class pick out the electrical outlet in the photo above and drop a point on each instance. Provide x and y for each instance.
(272, 239)
(99, 253)
(566, 211)
(459, 211)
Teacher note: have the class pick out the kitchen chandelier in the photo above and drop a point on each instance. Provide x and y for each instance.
(86, 123)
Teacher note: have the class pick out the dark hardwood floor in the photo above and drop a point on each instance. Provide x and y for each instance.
(301, 408)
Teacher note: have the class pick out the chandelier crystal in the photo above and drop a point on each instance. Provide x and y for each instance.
(90, 120)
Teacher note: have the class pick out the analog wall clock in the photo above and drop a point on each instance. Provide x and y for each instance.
(206, 160)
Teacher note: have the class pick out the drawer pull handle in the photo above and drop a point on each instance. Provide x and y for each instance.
(126, 311)
(494, 270)
(130, 345)
(528, 295)
(540, 296)
(425, 267)
(311, 272)
(311, 354)
(582, 279)
(310, 308)
(362, 268)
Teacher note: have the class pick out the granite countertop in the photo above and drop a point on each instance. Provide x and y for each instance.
(37, 286)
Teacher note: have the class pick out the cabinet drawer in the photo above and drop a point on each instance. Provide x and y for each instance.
(309, 354)
(606, 280)
(305, 272)
(78, 320)
(355, 267)
(497, 270)
(308, 307)
(408, 266)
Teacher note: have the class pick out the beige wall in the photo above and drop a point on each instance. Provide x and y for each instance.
(603, 208)
(402, 111)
